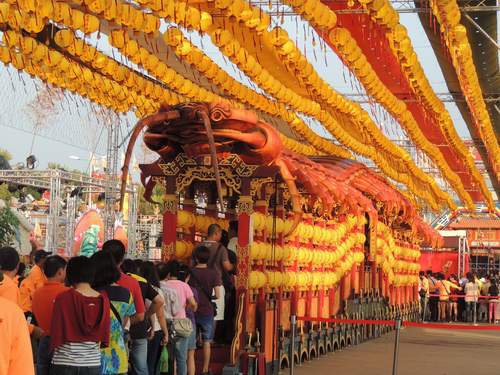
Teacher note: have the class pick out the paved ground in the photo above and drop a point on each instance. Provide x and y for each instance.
(422, 352)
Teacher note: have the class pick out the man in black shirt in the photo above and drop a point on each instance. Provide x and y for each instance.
(141, 331)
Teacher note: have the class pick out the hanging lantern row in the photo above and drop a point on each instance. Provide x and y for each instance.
(223, 39)
(321, 16)
(448, 15)
(402, 48)
(230, 47)
(399, 263)
(36, 59)
(113, 70)
(186, 50)
(297, 63)
(33, 15)
(187, 220)
(304, 280)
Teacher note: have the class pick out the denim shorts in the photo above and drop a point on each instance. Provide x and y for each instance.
(206, 324)
(192, 340)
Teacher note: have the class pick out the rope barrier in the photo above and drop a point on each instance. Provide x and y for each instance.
(404, 323)
(463, 296)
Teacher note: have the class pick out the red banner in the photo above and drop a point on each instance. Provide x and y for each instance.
(442, 261)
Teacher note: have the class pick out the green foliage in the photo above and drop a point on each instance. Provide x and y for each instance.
(146, 208)
(33, 191)
(8, 224)
(5, 194)
(52, 165)
(5, 154)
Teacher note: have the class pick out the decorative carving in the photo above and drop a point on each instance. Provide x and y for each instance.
(245, 205)
(170, 203)
(207, 174)
(173, 167)
(256, 184)
(167, 251)
(235, 345)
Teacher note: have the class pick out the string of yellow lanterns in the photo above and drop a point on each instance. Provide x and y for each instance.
(232, 45)
(238, 55)
(197, 58)
(259, 22)
(399, 262)
(26, 53)
(321, 16)
(108, 67)
(382, 12)
(316, 256)
(448, 15)
(294, 59)
(123, 75)
(34, 14)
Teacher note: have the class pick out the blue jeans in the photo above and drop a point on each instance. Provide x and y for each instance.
(206, 324)
(139, 356)
(470, 308)
(43, 356)
(181, 345)
(154, 346)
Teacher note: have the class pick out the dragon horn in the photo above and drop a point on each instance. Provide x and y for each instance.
(213, 152)
(143, 123)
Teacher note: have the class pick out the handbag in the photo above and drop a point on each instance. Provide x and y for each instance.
(183, 327)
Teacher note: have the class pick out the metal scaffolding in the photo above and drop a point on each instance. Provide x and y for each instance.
(110, 194)
(463, 252)
(60, 225)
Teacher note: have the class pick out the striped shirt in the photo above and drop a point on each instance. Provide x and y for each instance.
(78, 354)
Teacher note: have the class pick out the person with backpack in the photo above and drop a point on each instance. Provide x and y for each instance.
(114, 359)
(218, 260)
(141, 331)
(182, 326)
(208, 283)
(160, 335)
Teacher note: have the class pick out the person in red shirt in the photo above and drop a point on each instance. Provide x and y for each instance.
(54, 269)
(80, 323)
(117, 250)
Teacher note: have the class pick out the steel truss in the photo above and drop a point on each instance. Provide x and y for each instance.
(278, 9)
(60, 226)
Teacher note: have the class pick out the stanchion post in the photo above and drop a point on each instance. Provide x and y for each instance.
(291, 356)
(396, 346)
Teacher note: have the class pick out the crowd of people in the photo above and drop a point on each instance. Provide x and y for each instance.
(105, 314)
(471, 298)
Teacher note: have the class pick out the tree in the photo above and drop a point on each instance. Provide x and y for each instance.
(52, 165)
(5, 194)
(8, 226)
(146, 208)
(5, 157)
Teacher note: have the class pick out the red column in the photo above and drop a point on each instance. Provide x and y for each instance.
(169, 225)
(244, 210)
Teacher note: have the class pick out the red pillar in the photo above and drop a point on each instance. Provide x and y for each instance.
(169, 220)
